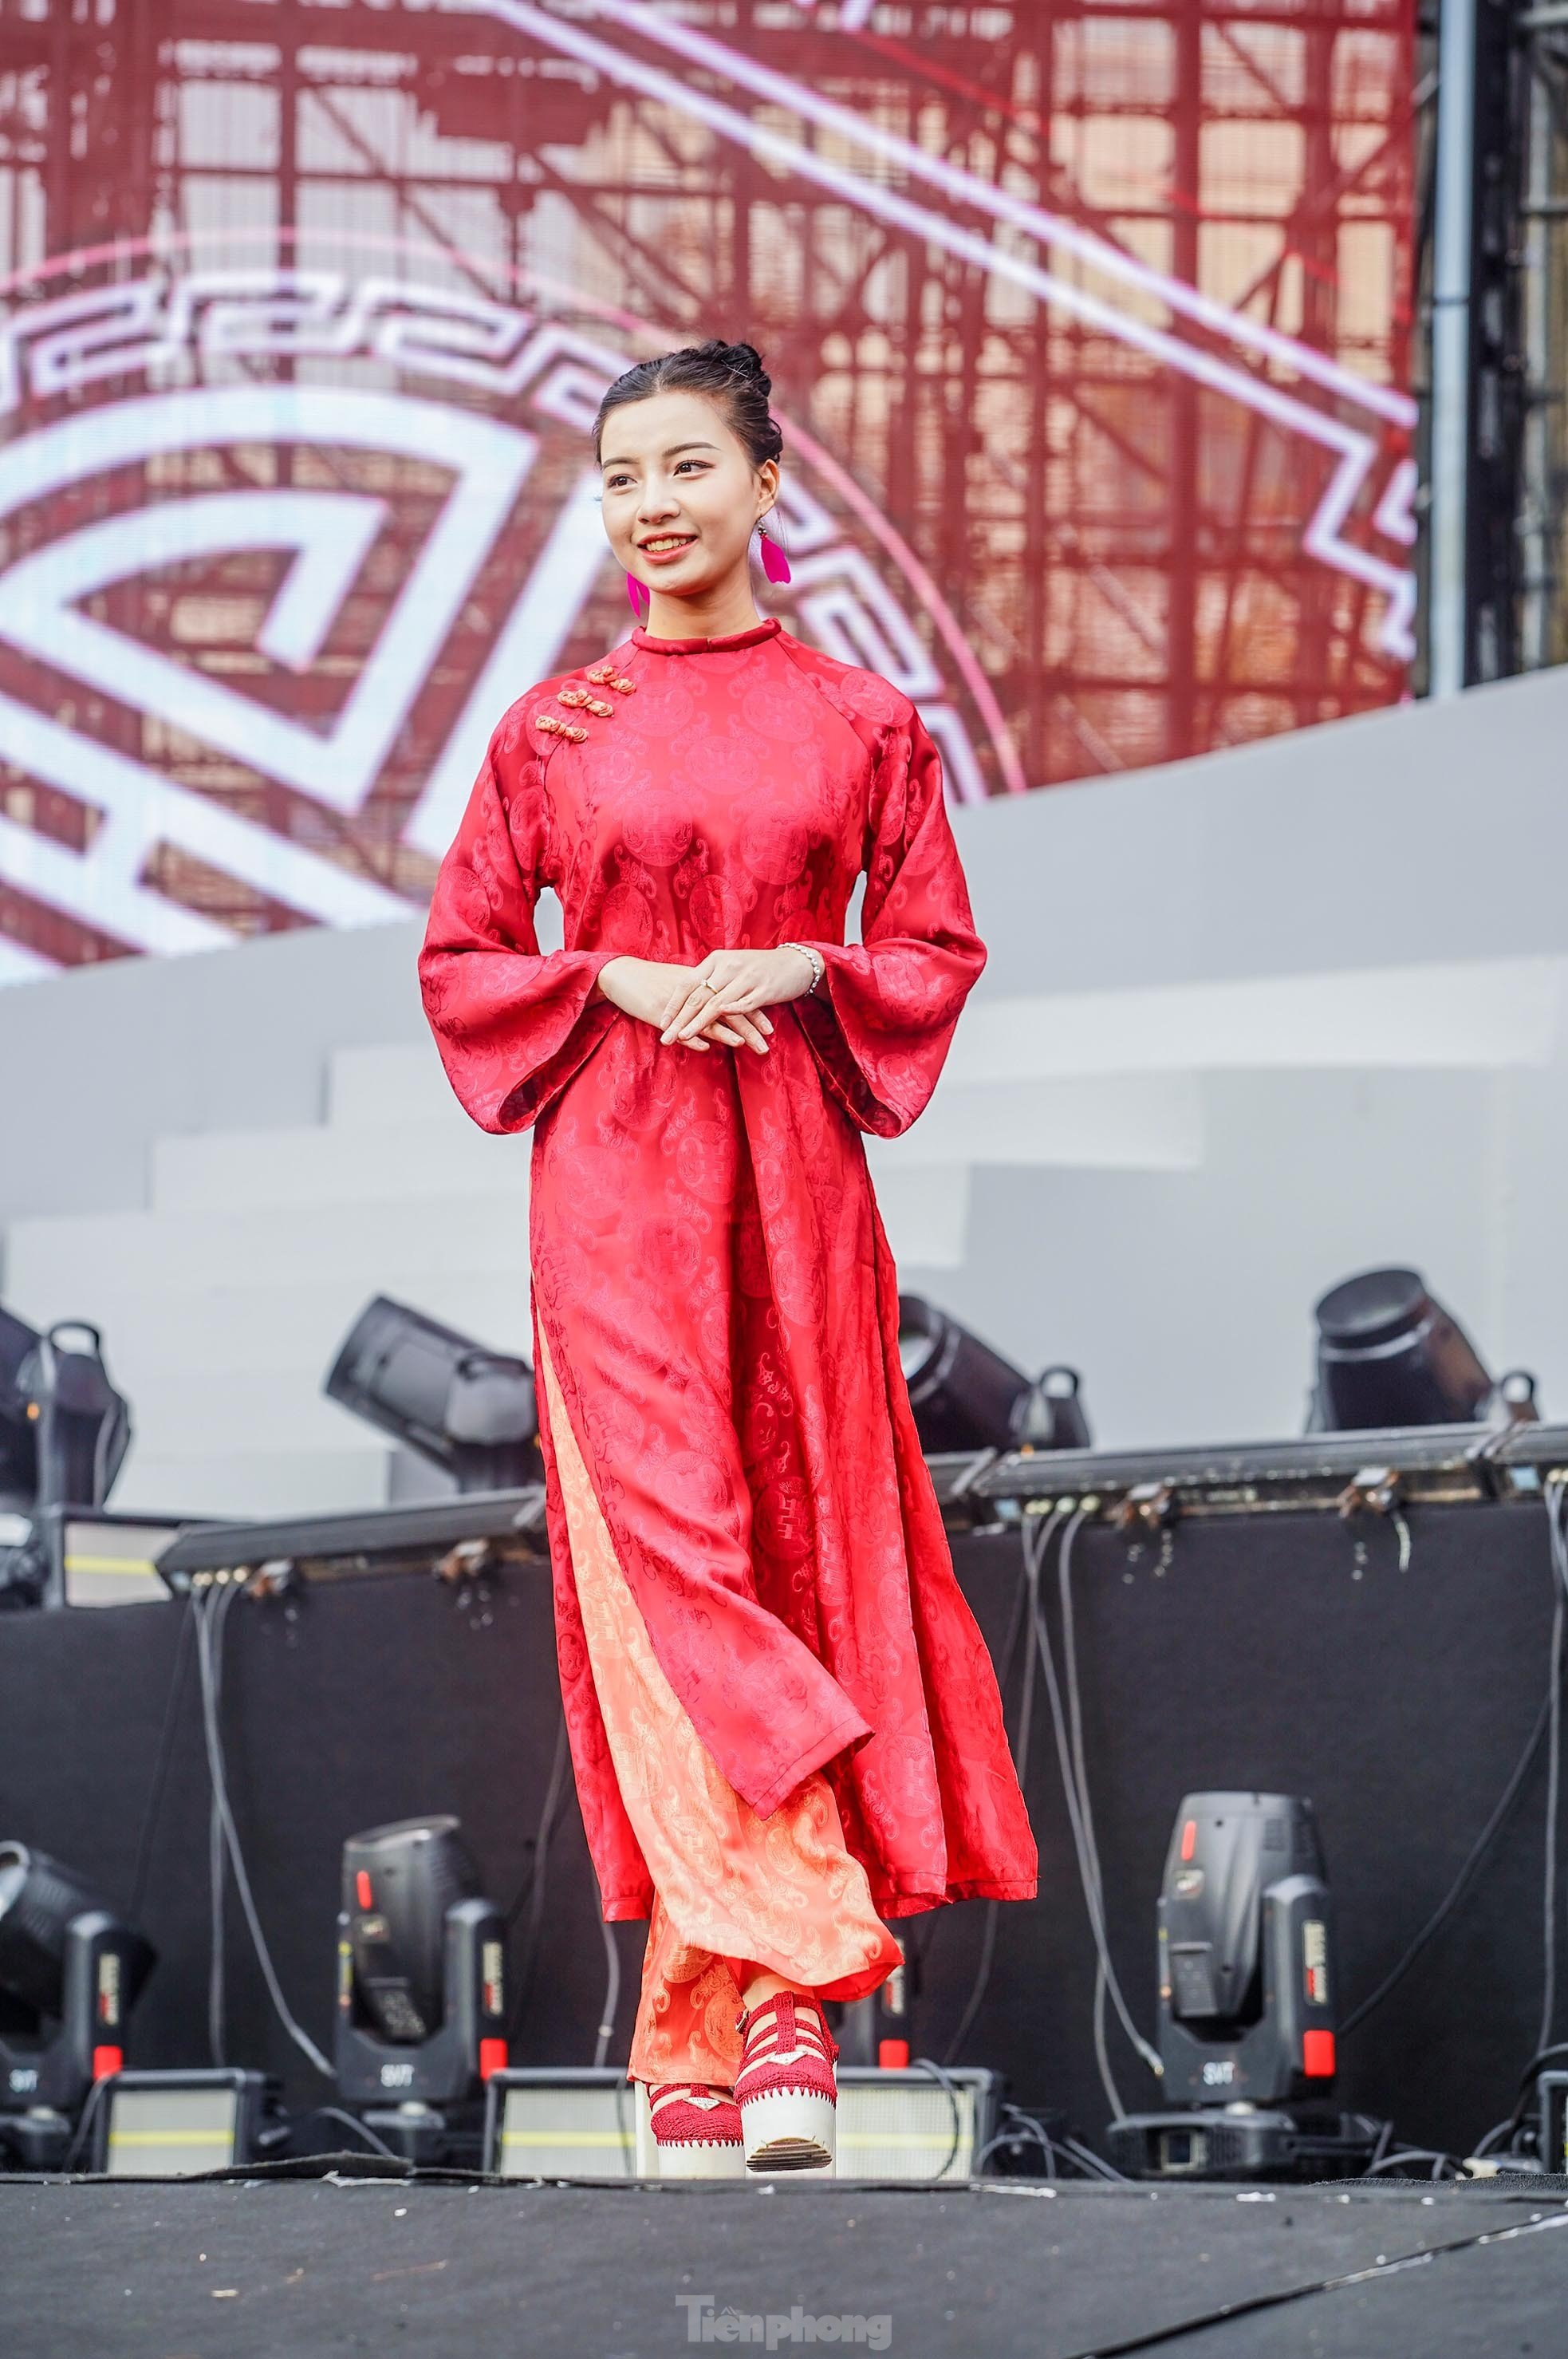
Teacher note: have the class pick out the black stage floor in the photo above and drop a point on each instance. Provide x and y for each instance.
(312, 2269)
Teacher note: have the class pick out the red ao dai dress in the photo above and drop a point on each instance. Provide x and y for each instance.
(784, 1724)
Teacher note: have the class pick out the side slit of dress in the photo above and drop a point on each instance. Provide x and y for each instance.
(733, 1893)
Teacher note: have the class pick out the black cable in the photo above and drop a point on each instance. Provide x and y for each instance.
(209, 1611)
(153, 1809)
(1107, 1977)
(929, 2064)
(1022, 2130)
(531, 1892)
(611, 1994)
(1556, 2054)
(351, 2121)
(89, 2113)
(1087, 1858)
(553, 1784)
(1452, 1898)
(208, 1637)
(1415, 2154)
(1094, 2165)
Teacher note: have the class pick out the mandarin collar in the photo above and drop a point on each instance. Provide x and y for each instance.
(766, 629)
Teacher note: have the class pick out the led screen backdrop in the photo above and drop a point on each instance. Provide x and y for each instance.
(1087, 326)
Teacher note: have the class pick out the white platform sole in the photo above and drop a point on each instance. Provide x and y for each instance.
(791, 2130)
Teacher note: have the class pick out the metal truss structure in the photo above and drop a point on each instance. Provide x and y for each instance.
(1524, 579)
(1103, 307)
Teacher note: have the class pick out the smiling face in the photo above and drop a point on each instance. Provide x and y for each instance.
(681, 496)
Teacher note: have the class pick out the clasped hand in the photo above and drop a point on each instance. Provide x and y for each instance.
(678, 1000)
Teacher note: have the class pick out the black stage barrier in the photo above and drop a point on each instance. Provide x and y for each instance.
(1283, 1650)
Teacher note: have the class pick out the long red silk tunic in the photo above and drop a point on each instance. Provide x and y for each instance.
(708, 1264)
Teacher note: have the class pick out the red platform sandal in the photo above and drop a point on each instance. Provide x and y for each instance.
(786, 2090)
(697, 2131)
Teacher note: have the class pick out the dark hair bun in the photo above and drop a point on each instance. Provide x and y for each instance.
(729, 376)
(747, 361)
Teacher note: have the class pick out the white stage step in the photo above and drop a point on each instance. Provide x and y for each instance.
(402, 1082)
(287, 1328)
(399, 1161)
(82, 1255)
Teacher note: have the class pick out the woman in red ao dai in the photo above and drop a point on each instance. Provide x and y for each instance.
(783, 1722)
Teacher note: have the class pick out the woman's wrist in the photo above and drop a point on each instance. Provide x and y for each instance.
(814, 959)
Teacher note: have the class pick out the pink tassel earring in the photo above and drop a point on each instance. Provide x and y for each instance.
(637, 597)
(775, 564)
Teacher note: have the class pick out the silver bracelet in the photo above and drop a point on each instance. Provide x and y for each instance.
(814, 958)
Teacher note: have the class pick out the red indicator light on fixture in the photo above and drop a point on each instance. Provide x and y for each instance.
(1189, 1839)
(491, 2058)
(892, 2055)
(106, 2060)
(1317, 2055)
(362, 1887)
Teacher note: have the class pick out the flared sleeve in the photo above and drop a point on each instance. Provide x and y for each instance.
(513, 1025)
(882, 1019)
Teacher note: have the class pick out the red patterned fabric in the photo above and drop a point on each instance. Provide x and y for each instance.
(709, 1268)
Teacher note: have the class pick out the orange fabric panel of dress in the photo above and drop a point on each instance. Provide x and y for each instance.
(734, 1891)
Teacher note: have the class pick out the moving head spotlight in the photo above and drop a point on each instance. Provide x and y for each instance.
(469, 1410)
(1248, 1992)
(64, 1432)
(421, 2007)
(1387, 1355)
(70, 1970)
(966, 1396)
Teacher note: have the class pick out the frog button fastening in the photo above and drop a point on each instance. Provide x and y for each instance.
(579, 696)
(554, 728)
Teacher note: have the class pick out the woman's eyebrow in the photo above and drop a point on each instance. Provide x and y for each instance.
(672, 453)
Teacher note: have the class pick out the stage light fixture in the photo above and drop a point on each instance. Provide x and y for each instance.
(1054, 1417)
(568, 2122)
(1387, 1355)
(70, 1970)
(966, 1396)
(64, 1432)
(173, 2125)
(18, 1415)
(469, 1410)
(1248, 1992)
(588, 2122)
(421, 2002)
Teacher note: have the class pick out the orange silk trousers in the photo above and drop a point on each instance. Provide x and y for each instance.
(734, 1894)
